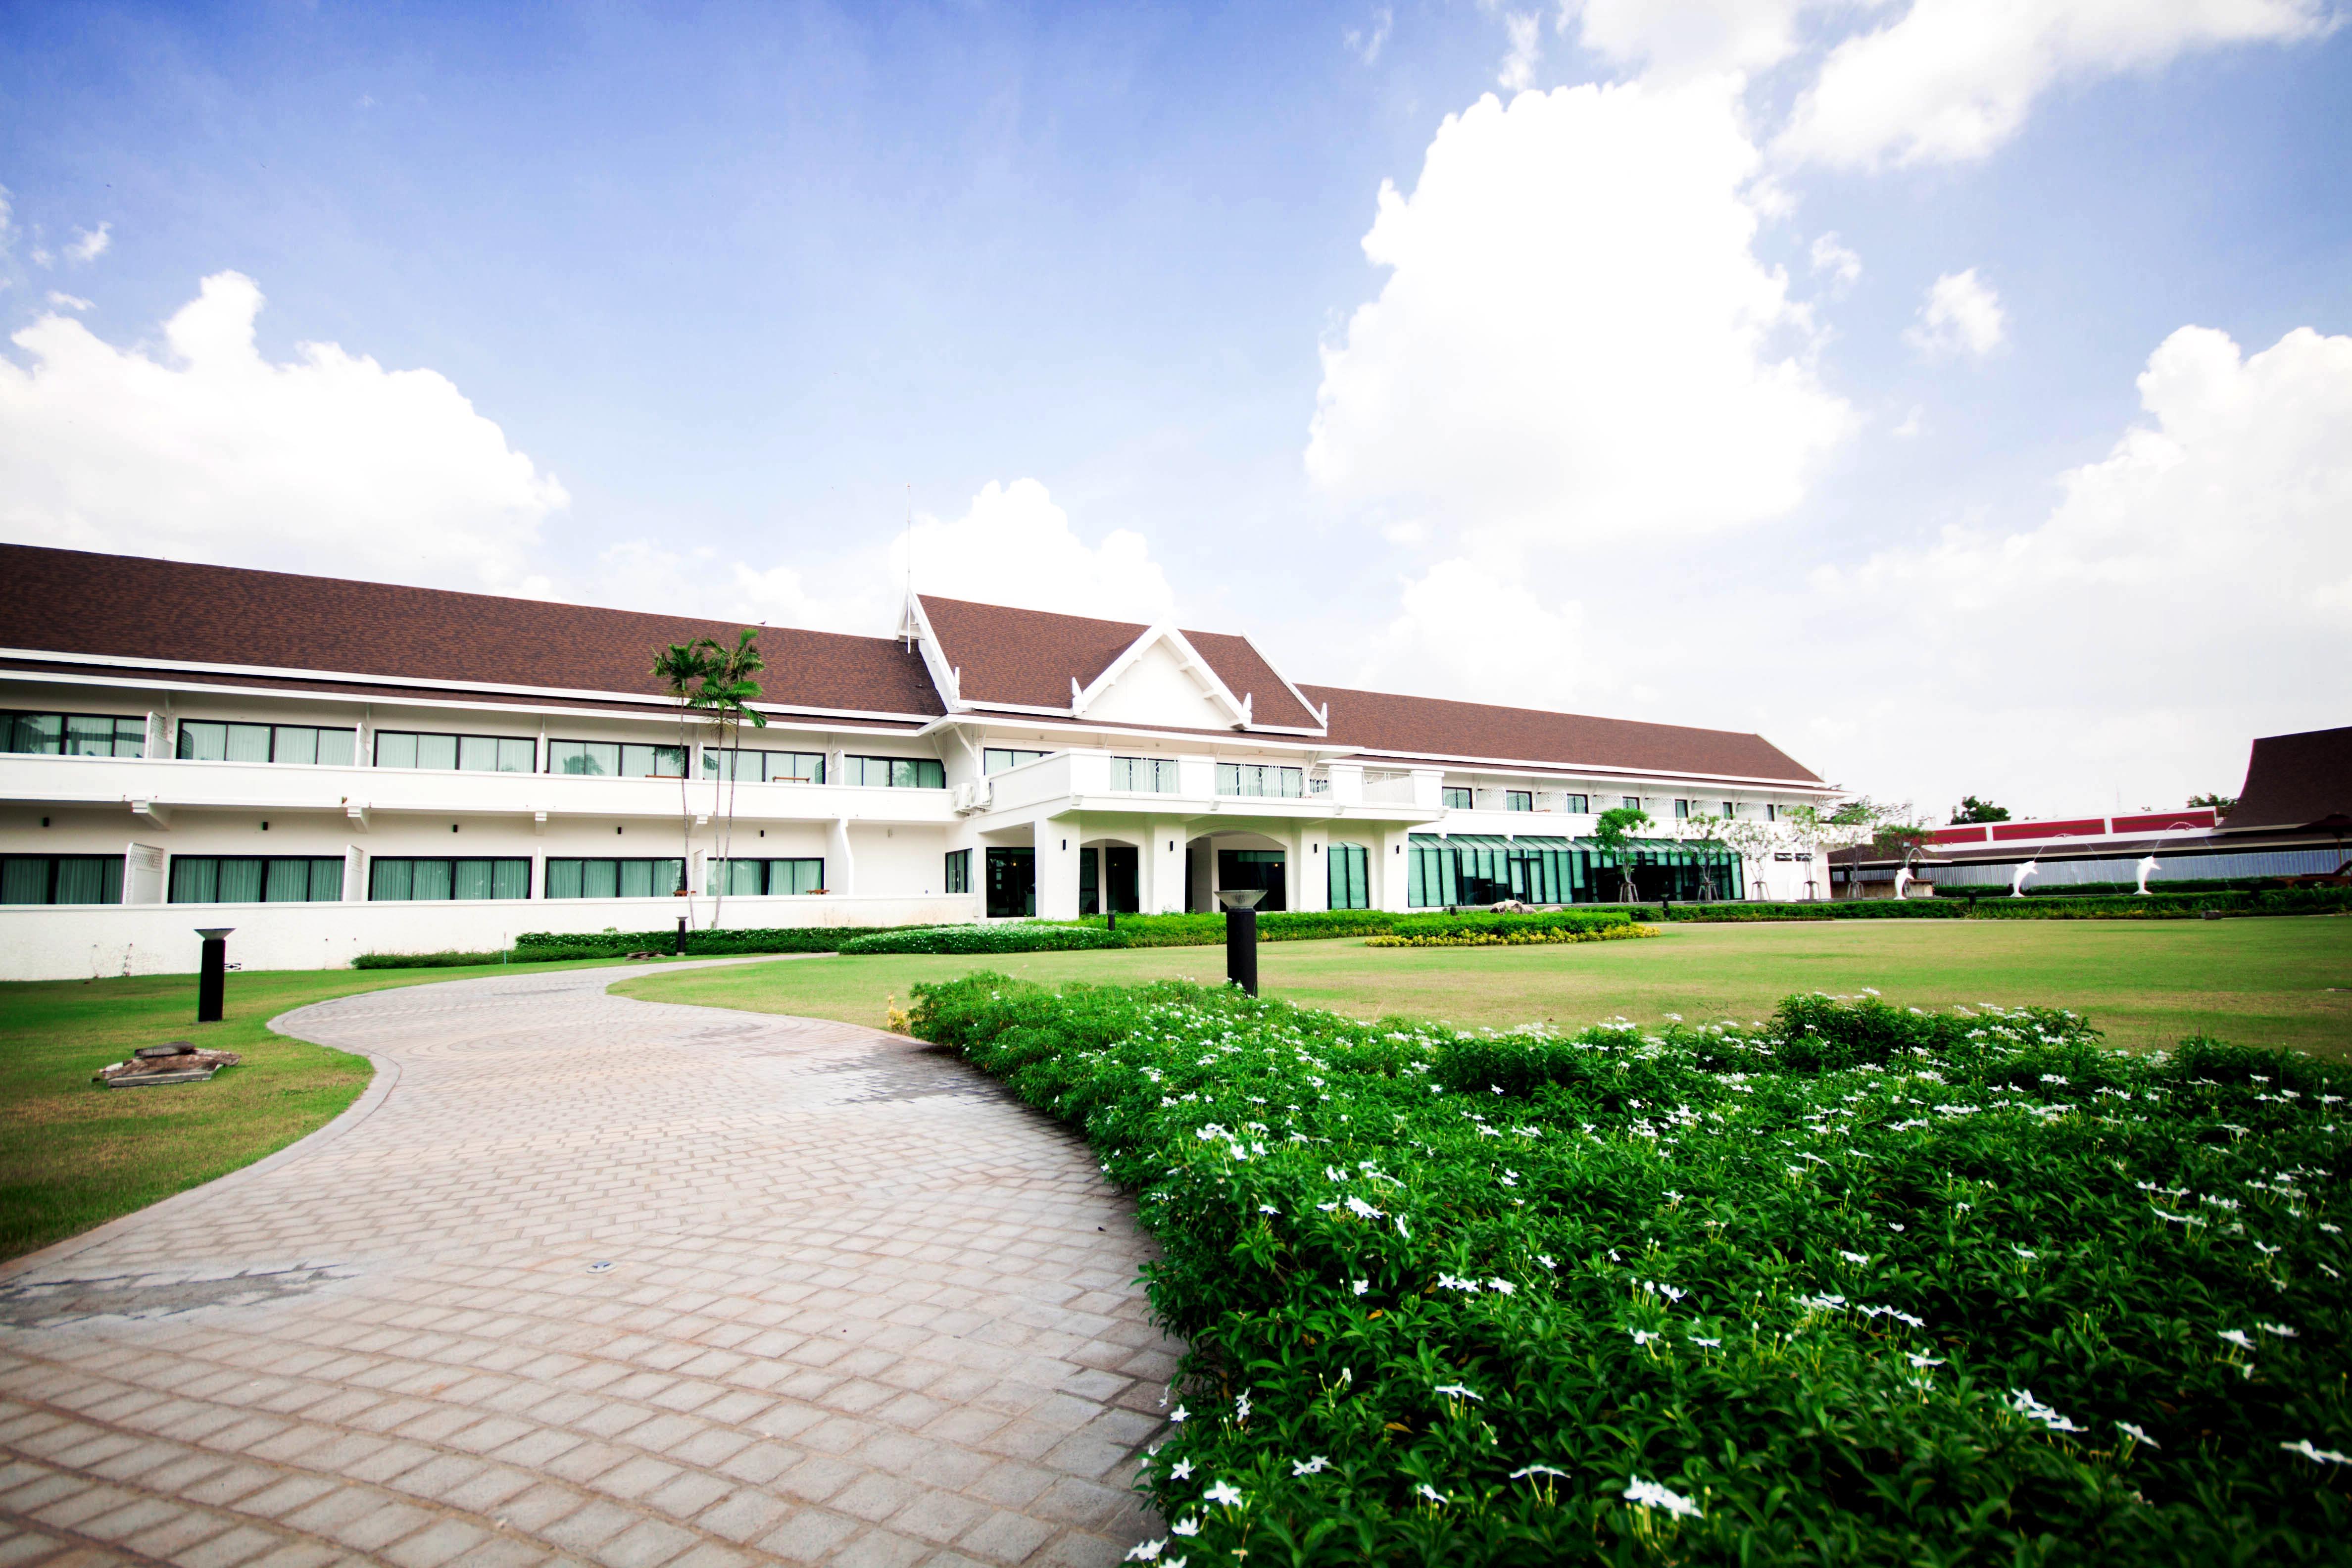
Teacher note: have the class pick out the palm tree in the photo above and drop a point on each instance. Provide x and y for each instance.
(685, 669)
(728, 689)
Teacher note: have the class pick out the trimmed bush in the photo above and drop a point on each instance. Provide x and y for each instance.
(1277, 925)
(1527, 937)
(539, 946)
(1021, 937)
(1867, 1285)
(426, 960)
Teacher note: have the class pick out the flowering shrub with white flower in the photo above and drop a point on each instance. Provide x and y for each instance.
(1859, 1284)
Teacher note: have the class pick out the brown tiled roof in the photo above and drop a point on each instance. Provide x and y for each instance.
(2296, 781)
(1024, 656)
(1030, 657)
(1431, 726)
(69, 601)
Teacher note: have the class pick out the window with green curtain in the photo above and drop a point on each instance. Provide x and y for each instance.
(72, 735)
(897, 772)
(763, 767)
(433, 876)
(208, 741)
(243, 879)
(294, 743)
(256, 878)
(1459, 799)
(1518, 800)
(613, 878)
(996, 758)
(1575, 803)
(1265, 779)
(959, 872)
(639, 762)
(768, 877)
(598, 757)
(61, 879)
(287, 881)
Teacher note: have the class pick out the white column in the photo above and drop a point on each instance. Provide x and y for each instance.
(1162, 868)
(840, 865)
(1310, 885)
(1392, 854)
(355, 875)
(1429, 788)
(1057, 867)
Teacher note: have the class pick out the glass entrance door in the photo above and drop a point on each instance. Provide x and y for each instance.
(1121, 864)
(1260, 868)
(1011, 882)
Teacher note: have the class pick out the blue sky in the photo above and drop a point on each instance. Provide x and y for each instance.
(738, 286)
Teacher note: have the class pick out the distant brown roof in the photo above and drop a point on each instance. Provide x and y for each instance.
(1029, 657)
(2296, 781)
(69, 601)
(1431, 726)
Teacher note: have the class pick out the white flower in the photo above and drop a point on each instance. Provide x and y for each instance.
(1642, 1336)
(1650, 1494)
(1545, 1258)
(1267, 1208)
(1181, 1470)
(2022, 1400)
(1501, 1287)
(1241, 1406)
(1710, 1344)
(1894, 1227)
(1456, 1391)
(1363, 1286)
(1523, 1474)
(1224, 1494)
(1327, 1208)
(2317, 1455)
(1432, 1493)
(2137, 1435)
(2280, 1329)
(1145, 1550)
(1185, 1527)
(1180, 1415)
(1314, 1467)
(2238, 1338)
(1857, 1258)
(1917, 1360)
(2024, 1252)
(1364, 1210)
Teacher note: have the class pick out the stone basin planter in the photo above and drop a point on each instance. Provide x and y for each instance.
(174, 1062)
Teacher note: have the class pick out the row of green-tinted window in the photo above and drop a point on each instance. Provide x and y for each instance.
(203, 741)
(466, 754)
(763, 767)
(768, 878)
(393, 879)
(60, 879)
(1155, 775)
(959, 872)
(996, 758)
(1261, 779)
(652, 877)
(1442, 873)
(72, 735)
(1349, 869)
(256, 879)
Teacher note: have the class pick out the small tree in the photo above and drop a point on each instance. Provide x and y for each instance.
(726, 693)
(1971, 809)
(684, 670)
(1888, 827)
(1707, 833)
(1752, 838)
(1613, 834)
(2223, 804)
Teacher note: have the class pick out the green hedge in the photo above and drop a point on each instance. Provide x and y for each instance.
(426, 960)
(1021, 937)
(538, 946)
(2000, 906)
(1275, 925)
(1502, 924)
(1868, 1284)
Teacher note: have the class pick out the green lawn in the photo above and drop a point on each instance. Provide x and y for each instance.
(2275, 982)
(73, 1155)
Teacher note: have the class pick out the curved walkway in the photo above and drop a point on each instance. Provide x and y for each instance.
(584, 1278)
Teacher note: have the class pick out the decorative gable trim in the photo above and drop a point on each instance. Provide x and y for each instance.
(1188, 659)
(915, 626)
(1322, 714)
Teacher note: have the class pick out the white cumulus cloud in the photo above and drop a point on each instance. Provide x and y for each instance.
(1427, 647)
(1960, 317)
(1952, 80)
(1575, 339)
(1525, 30)
(2190, 591)
(89, 244)
(1676, 39)
(1014, 544)
(206, 450)
(1832, 256)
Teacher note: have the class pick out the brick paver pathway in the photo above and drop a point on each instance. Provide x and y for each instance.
(597, 1280)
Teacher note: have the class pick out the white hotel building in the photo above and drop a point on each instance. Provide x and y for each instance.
(334, 768)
